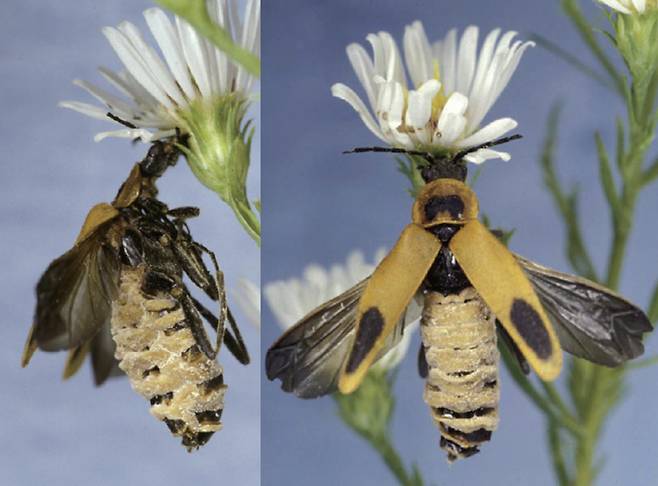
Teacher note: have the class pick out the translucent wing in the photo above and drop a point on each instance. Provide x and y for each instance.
(74, 296)
(308, 358)
(591, 321)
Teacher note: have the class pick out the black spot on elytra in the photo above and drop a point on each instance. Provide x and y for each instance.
(370, 328)
(452, 204)
(531, 328)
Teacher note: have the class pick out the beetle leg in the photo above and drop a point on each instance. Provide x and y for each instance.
(235, 344)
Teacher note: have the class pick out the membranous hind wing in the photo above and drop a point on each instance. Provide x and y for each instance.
(309, 357)
(591, 321)
(75, 293)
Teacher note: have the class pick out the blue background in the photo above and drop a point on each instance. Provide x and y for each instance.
(320, 205)
(52, 172)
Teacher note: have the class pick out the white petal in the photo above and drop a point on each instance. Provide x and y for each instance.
(419, 104)
(127, 84)
(446, 53)
(116, 105)
(345, 93)
(616, 5)
(165, 35)
(250, 39)
(492, 131)
(394, 71)
(159, 71)
(134, 64)
(484, 60)
(640, 5)
(467, 57)
(452, 113)
(134, 134)
(450, 130)
(486, 154)
(85, 108)
(195, 53)
(364, 69)
(417, 54)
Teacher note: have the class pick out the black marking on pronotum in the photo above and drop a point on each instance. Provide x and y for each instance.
(370, 328)
(531, 328)
(452, 204)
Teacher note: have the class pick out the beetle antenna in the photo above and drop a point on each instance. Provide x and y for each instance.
(425, 155)
(460, 155)
(120, 120)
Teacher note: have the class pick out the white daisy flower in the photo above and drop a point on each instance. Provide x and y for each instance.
(196, 89)
(631, 6)
(453, 88)
(290, 300)
(248, 298)
(157, 94)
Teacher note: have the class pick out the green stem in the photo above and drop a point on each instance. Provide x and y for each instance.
(393, 461)
(196, 14)
(247, 219)
(587, 34)
(557, 455)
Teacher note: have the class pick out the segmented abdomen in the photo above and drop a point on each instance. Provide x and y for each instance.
(459, 337)
(156, 349)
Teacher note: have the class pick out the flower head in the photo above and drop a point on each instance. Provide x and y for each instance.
(157, 94)
(197, 91)
(631, 6)
(290, 300)
(452, 89)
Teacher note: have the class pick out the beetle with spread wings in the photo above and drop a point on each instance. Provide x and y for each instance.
(472, 290)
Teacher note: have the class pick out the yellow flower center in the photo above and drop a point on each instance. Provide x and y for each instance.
(440, 98)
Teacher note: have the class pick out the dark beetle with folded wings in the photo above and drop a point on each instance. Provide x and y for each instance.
(472, 289)
(118, 295)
